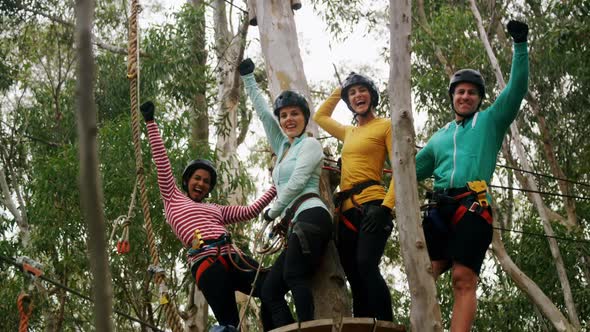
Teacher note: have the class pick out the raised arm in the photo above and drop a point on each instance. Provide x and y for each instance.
(323, 116)
(505, 108)
(165, 176)
(272, 129)
(234, 213)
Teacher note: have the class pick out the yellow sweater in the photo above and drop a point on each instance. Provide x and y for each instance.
(363, 152)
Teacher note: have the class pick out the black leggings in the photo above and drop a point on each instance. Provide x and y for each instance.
(360, 253)
(293, 269)
(219, 283)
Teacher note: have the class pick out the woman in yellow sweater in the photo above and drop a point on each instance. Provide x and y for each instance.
(365, 219)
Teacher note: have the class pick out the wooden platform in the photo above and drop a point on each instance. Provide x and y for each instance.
(348, 324)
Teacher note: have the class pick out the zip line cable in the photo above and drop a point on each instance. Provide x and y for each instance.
(542, 235)
(77, 293)
(491, 185)
(512, 168)
(232, 4)
(544, 175)
(540, 192)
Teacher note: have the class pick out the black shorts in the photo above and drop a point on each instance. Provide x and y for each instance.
(465, 243)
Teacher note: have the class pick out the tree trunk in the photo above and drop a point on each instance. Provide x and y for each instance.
(90, 184)
(424, 312)
(199, 118)
(196, 314)
(19, 214)
(198, 309)
(284, 69)
(531, 185)
(229, 50)
(529, 287)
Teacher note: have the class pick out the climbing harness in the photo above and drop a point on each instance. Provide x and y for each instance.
(470, 198)
(280, 231)
(342, 196)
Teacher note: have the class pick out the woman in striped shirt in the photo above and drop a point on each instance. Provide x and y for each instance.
(218, 266)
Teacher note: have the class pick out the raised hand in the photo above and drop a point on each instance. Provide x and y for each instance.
(246, 67)
(147, 110)
(518, 30)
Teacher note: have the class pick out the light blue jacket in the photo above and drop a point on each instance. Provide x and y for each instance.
(299, 171)
(467, 151)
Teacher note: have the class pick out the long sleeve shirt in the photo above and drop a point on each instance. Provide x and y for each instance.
(296, 173)
(467, 151)
(364, 151)
(185, 215)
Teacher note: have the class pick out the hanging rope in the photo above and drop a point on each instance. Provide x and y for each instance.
(25, 309)
(172, 317)
(124, 221)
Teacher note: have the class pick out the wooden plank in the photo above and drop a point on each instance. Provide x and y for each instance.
(348, 324)
(319, 325)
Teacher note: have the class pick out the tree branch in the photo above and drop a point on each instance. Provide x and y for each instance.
(537, 201)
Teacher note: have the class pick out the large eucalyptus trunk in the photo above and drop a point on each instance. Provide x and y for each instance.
(229, 48)
(424, 311)
(284, 69)
(90, 184)
(531, 185)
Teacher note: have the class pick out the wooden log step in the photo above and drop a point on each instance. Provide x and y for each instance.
(347, 324)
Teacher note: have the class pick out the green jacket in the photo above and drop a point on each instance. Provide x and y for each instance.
(466, 151)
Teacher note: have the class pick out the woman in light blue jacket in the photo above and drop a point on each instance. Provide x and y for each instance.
(296, 176)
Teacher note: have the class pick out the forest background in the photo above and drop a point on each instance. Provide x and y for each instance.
(187, 55)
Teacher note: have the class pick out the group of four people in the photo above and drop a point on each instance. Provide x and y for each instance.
(461, 156)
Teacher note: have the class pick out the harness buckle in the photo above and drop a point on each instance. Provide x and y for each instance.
(479, 188)
(475, 207)
(197, 240)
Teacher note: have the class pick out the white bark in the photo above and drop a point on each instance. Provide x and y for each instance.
(531, 185)
(424, 311)
(529, 287)
(280, 48)
(284, 69)
(19, 215)
(90, 184)
(229, 49)
(197, 312)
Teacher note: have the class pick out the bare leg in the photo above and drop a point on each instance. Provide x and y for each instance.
(464, 286)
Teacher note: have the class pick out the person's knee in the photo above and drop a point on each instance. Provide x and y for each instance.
(464, 279)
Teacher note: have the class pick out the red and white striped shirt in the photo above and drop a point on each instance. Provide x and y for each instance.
(185, 215)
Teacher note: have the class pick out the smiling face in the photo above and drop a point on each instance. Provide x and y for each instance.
(466, 100)
(359, 97)
(199, 185)
(292, 121)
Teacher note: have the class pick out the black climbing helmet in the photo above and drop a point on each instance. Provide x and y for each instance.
(291, 98)
(194, 165)
(354, 79)
(470, 76)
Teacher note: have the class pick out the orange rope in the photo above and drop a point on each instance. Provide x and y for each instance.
(24, 300)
